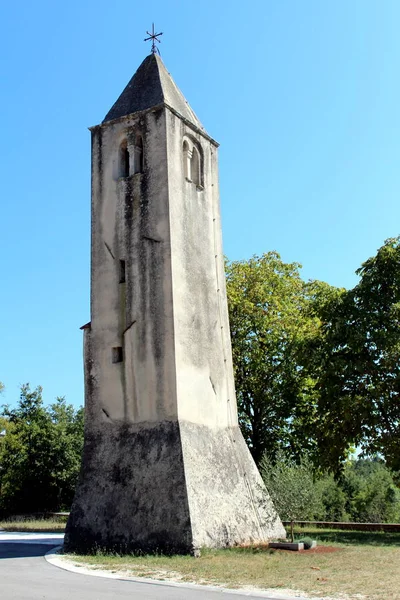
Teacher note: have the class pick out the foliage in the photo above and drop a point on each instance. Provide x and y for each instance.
(366, 491)
(332, 505)
(370, 491)
(317, 368)
(356, 363)
(291, 487)
(272, 327)
(40, 454)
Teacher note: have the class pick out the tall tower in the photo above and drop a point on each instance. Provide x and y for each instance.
(165, 467)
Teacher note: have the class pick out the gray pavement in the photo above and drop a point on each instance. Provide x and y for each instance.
(25, 574)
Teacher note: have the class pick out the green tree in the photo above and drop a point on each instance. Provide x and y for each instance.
(40, 454)
(370, 491)
(356, 361)
(272, 327)
(66, 448)
(332, 505)
(291, 487)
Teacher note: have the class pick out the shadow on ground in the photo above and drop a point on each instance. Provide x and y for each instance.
(23, 550)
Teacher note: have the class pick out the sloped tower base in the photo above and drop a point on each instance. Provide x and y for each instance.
(168, 488)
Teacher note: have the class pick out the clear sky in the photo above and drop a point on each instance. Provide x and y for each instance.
(303, 96)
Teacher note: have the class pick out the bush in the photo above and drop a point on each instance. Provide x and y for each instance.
(366, 491)
(291, 487)
(332, 506)
(371, 493)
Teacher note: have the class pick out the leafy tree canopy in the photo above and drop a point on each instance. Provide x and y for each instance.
(40, 454)
(357, 366)
(272, 327)
(317, 368)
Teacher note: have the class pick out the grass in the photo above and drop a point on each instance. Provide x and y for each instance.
(340, 536)
(34, 525)
(366, 564)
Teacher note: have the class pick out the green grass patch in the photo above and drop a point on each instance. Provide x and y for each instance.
(364, 564)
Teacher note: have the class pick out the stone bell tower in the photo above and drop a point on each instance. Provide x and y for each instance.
(165, 467)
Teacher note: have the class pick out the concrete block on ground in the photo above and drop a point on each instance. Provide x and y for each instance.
(287, 545)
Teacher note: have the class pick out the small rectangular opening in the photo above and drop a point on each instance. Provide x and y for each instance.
(122, 271)
(117, 354)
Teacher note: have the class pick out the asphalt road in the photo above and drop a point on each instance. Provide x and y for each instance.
(25, 574)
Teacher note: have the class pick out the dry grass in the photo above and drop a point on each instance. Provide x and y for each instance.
(34, 525)
(363, 566)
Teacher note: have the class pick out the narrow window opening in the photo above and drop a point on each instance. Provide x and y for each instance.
(186, 160)
(122, 271)
(195, 167)
(138, 155)
(117, 354)
(124, 160)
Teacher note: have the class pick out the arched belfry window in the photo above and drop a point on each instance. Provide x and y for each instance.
(193, 162)
(138, 155)
(124, 160)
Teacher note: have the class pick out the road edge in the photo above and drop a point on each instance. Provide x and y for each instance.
(66, 564)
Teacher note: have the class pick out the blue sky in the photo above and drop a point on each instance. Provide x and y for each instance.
(303, 96)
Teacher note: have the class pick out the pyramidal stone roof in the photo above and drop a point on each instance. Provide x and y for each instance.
(151, 86)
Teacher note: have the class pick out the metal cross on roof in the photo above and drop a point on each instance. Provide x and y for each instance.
(154, 37)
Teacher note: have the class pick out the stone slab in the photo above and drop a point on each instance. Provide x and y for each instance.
(287, 545)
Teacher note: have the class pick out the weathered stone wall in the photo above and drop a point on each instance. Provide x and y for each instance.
(227, 499)
(202, 344)
(130, 222)
(132, 492)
